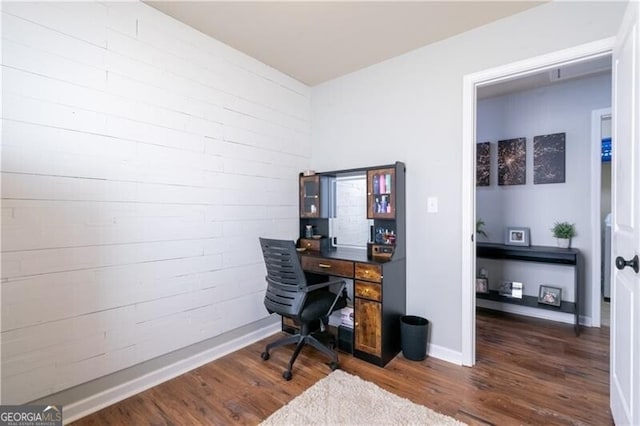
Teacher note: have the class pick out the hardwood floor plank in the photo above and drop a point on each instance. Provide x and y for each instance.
(528, 371)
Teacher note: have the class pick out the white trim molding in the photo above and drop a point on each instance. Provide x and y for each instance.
(468, 220)
(125, 389)
(528, 311)
(596, 199)
(444, 354)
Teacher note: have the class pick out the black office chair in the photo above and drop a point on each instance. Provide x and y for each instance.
(289, 295)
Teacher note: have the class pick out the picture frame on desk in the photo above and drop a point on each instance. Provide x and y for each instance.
(550, 295)
(482, 285)
(517, 236)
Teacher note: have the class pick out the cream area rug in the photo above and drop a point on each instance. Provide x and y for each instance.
(344, 399)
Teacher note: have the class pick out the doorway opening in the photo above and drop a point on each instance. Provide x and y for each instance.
(475, 85)
(535, 135)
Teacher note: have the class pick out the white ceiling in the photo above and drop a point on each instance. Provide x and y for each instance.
(316, 41)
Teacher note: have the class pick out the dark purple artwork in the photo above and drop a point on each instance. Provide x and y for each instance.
(512, 162)
(483, 163)
(549, 158)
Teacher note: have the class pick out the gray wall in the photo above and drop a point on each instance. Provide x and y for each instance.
(563, 107)
(410, 108)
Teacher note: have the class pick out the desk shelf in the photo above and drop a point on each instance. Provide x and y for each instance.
(529, 301)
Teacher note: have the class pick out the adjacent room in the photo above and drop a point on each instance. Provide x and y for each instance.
(191, 189)
(535, 149)
(527, 185)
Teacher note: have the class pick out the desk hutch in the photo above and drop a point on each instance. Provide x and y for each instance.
(378, 272)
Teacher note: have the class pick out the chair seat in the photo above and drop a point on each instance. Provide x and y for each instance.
(318, 303)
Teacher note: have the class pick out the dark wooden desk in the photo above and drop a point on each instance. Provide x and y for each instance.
(379, 298)
(542, 254)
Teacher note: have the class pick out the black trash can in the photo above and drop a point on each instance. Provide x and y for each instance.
(413, 335)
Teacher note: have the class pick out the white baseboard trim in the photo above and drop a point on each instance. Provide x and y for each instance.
(586, 321)
(95, 402)
(526, 311)
(533, 312)
(444, 354)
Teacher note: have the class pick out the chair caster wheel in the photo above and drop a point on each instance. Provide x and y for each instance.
(333, 365)
(287, 375)
(264, 356)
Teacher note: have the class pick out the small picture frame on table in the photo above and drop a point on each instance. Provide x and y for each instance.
(517, 236)
(482, 285)
(550, 295)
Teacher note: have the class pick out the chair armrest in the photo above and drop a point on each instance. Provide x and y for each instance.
(338, 294)
(314, 287)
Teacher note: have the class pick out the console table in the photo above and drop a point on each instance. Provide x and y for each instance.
(542, 254)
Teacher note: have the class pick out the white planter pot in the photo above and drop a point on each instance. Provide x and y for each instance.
(564, 242)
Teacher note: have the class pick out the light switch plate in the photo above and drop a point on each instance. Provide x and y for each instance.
(432, 205)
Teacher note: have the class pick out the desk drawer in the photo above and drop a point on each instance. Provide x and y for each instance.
(341, 268)
(313, 245)
(371, 291)
(369, 272)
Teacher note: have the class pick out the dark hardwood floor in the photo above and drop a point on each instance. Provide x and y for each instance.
(528, 371)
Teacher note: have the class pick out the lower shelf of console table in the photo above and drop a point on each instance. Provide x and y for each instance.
(540, 254)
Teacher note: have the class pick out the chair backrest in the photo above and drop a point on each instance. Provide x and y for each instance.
(285, 278)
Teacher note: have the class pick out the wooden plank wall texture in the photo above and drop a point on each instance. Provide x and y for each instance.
(141, 160)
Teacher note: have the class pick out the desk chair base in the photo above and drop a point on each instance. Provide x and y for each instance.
(300, 340)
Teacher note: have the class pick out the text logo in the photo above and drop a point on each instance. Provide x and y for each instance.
(30, 415)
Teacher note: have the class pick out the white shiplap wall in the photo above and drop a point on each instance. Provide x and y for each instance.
(141, 160)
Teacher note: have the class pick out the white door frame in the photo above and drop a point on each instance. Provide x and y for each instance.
(596, 199)
(469, 85)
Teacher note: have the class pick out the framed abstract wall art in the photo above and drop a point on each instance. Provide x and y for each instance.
(549, 158)
(512, 162)
(483, 163)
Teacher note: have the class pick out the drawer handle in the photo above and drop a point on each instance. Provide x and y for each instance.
(324, 265)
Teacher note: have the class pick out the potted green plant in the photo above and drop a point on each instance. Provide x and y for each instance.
(564, 231)
(480, 228)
